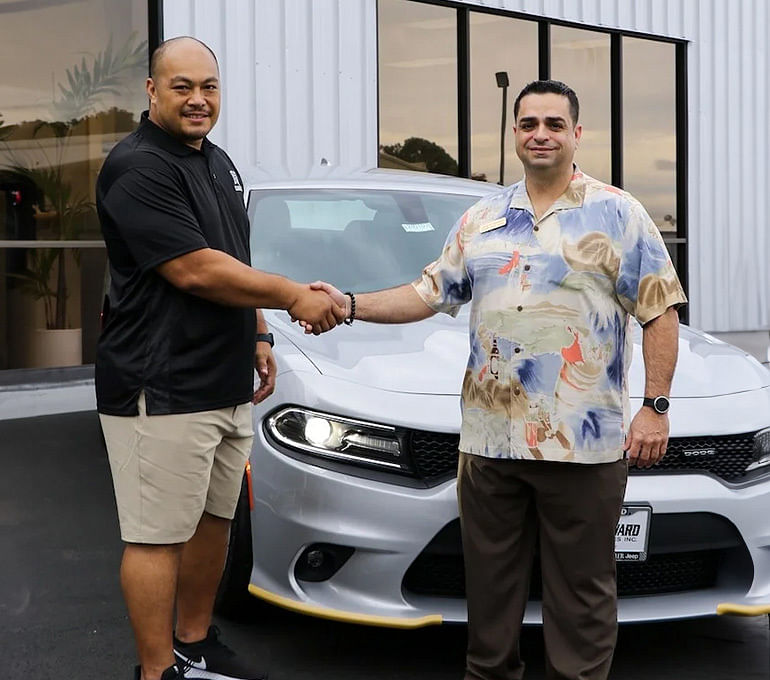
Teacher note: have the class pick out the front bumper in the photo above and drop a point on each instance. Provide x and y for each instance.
(388, 526)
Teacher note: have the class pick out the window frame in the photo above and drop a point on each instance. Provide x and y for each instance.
(12, 376)
(464, 10)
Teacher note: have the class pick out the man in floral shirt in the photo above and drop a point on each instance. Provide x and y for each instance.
(554, 267)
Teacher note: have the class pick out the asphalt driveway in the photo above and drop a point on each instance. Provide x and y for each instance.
(61, 614)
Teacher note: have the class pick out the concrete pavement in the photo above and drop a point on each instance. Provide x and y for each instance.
(62, 617)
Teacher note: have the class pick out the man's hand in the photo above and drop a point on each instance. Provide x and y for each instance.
(647, 438)
(317, 310)
(264, 362)
(339, 298)
(401, 304)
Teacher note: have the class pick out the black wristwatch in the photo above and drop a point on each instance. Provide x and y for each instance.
(658, 404)
(266, 337)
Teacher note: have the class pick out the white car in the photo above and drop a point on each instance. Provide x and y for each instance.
(354, 512)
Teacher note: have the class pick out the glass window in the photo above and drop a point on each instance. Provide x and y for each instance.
(581, 59)
(73, 96)
(649, 127)
(508, 47)
(418, 86)
(367, 239)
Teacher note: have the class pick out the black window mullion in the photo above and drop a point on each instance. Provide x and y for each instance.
(463, 93)
(544, 45)
(616, 108)
(681, 169)
(154, 25)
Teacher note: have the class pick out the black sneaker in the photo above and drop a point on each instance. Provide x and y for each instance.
(171, 673)
(213, 660)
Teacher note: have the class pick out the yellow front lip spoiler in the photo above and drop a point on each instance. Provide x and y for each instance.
(346, 617)
(743, 609)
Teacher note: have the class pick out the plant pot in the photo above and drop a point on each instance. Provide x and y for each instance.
(58, 347)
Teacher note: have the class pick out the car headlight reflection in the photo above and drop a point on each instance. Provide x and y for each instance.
(318, 431)
(761, 451)
(335, 437)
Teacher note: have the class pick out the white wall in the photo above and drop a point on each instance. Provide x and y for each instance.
(300, 80)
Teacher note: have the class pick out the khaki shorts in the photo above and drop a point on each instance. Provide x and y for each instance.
(168, 469)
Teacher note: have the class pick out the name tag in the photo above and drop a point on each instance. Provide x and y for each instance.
(494, 224)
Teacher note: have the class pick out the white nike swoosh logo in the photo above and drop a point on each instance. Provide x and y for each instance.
(195, 664)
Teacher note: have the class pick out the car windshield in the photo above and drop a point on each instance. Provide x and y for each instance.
(356, 239)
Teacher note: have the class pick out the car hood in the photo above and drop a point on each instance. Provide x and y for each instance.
(429, 357)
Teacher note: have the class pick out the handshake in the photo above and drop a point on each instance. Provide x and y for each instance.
(319, 307)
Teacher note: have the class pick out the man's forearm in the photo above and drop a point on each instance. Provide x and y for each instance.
(394, 305)
(218, 277)
(660, 346)
(261, 323)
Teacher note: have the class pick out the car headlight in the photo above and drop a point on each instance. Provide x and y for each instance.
(338, 438)
(761, 450)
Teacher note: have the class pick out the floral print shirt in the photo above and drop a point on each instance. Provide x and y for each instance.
(551, 301)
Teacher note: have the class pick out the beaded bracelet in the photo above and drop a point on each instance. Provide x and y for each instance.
(350, 319)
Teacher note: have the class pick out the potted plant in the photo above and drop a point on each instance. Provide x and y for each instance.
(62, 210)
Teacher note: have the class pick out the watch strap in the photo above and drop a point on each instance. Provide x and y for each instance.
(652, 402)
(266, 337)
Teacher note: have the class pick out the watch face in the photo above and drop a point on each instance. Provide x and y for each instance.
(661, 404)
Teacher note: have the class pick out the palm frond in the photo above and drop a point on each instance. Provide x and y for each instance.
(87, 83)
(80, 93)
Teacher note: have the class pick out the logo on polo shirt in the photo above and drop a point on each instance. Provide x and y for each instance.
(236, 181)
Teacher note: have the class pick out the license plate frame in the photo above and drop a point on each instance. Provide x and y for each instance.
(632, 534)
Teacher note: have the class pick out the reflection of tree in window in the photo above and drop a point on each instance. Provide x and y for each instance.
(417, 78)
(422, 152)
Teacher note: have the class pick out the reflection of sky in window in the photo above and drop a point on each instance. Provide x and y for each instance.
(37, 45)
(418, 73)
(498, 44)
(418, 90)
(649, 118)
(581, 59)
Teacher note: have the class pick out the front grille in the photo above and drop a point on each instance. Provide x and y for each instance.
(732, 453)
(435, 455)
(669, 573)
(436, 575)
(687, 551)
(444, 575)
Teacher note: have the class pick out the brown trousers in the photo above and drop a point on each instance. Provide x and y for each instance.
(506, 506)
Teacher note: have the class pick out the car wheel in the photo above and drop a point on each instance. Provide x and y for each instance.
(233, 599)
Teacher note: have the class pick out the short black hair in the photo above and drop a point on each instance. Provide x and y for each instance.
(552, 87)
(160, 50)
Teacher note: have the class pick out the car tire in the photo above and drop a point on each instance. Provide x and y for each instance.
(233, 599)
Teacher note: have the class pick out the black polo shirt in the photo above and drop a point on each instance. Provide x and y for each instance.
(158, 199)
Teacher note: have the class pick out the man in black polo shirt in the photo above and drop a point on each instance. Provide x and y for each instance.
(174, 367)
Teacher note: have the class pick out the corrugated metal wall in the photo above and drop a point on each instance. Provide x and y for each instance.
(300, 80)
